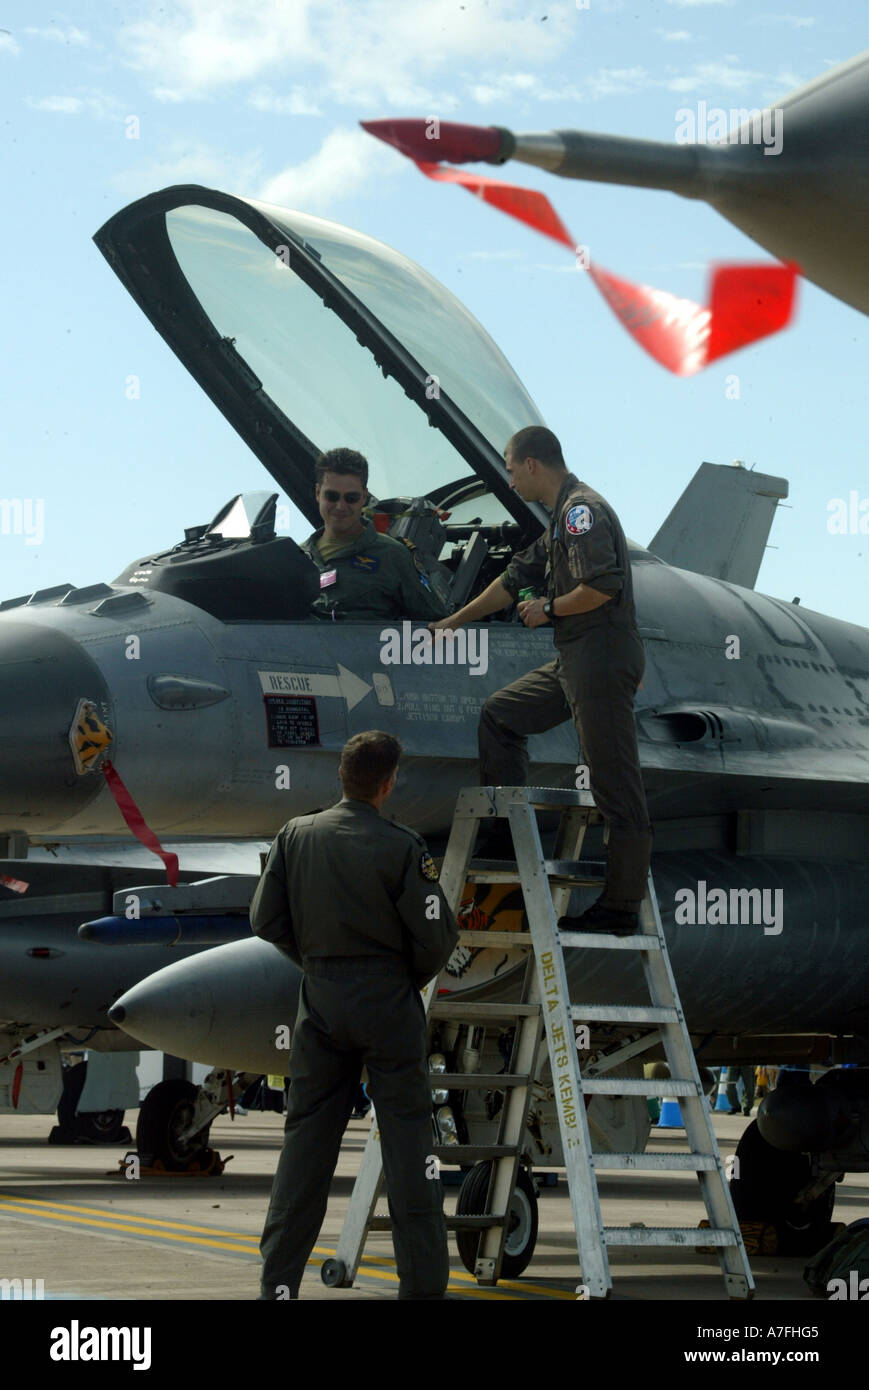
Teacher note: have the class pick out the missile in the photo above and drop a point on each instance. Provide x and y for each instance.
(794, 177)
(165, 931)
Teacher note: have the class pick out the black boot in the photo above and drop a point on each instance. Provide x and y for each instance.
(599, 917)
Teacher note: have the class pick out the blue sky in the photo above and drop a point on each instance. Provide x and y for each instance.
(264, 101)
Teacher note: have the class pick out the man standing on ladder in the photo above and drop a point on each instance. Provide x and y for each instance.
(353, 899)
(581, 562)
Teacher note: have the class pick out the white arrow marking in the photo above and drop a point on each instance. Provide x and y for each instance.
(345, 686)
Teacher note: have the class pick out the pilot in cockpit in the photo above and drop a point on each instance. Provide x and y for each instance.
(364, 576)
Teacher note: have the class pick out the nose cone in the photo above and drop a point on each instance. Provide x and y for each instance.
(43, 675)
(234, 1007)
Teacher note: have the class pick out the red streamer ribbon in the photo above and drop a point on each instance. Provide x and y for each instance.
(746, 302)
(136, 821)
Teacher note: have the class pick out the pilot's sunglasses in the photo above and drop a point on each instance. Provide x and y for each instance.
(332, 496)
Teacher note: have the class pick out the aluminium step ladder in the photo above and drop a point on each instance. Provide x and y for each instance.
(545, 1008)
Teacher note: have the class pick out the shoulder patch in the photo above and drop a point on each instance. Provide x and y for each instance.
(579, 520)
(427, 867)
(365, 562)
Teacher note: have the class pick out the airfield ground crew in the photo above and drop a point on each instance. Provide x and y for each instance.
(581, 564)
(364, 575)
(354, 900)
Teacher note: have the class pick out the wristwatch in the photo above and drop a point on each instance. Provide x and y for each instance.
(547, 608)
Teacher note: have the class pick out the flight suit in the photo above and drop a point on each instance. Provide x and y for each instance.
(353, 899)
(374, 577)
(593, 680)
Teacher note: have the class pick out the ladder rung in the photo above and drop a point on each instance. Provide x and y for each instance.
(500, 939)
(468, 1080)
(605, 941)
(453, 1223)
(562, 873)
(459, 1154)
(667, 1235)
(655, 1163)
(480, 1013)
(621, 1086)
(623, 1013)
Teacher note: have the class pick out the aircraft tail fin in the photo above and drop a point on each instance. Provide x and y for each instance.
(721, 523)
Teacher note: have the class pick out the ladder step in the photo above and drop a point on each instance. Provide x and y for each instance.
(623, 1013)
(667, 1235)
(655, 1163)
(502, 940)
(605, 941)
(472, 1012)
(620, 1086)
(453, 1223)
(562, 873)
(460, 1154)
(468, 1080)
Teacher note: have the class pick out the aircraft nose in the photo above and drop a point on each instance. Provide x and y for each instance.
(43, 676)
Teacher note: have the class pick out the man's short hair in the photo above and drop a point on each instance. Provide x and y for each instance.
(535, 441)
(367, 761)
(342, 461)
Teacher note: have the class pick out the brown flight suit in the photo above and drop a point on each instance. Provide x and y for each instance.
(593, 680)
(353, 899)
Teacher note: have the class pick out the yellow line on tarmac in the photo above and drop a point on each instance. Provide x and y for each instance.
(238, 1242)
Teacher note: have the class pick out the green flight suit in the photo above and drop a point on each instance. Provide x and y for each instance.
(353, 899)
(593, 680)
(372, 579)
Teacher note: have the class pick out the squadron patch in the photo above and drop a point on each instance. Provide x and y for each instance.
(365, 562)
(579, 520)
(428, 868)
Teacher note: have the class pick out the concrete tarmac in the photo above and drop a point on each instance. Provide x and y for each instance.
(68, 1217)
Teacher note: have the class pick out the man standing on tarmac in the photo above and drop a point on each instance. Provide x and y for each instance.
(581, 563)
(353, 899)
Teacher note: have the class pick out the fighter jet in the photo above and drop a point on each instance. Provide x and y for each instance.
(224, 705)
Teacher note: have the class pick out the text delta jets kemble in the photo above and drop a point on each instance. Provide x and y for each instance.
(75, 1343)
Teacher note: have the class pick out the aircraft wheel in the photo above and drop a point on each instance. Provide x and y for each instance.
(334, 1274)
(100, 1127)
(521, 1235)
(166, 1111)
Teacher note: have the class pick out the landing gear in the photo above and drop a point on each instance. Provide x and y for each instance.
(166, 1113)
(521, 1236)
(96, 1127)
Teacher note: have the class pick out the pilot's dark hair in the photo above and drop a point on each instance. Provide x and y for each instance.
(537, 442)
(342, 461)
(367, 761)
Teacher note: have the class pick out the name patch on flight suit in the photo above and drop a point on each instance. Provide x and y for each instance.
(328, 577)
(579, 520)
(428, 868)
(365, 562)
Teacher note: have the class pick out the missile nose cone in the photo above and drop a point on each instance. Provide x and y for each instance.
(232, 1006)
(43, 676)
(430, 142)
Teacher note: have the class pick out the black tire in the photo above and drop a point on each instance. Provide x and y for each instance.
(100, 1127)
(166, 1110)
(521, 1235)
(334, 1274)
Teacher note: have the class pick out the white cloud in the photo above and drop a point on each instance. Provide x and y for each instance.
(674, 35)
(695, 4)
(366, 52)
(57, 34)
(8, 43)
(795, 21)
(94, 103)
(706, 77)
(294, 103)
(347, 163)
(191, 161)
